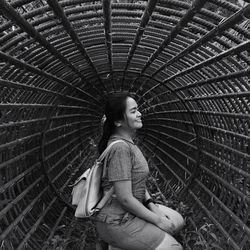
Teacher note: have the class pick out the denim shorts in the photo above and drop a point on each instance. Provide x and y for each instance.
(128, 232)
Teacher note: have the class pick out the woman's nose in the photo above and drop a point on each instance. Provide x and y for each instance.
(139, 113)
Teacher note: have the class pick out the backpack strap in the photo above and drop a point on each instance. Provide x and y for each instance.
(104, 199)
(104, 153)
(107, 195)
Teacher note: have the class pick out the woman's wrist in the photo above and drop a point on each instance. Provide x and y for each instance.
(148, 201)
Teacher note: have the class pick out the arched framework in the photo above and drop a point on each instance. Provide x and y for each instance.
(187, 62)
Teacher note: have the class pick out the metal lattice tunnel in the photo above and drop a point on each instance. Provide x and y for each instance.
(188, 64)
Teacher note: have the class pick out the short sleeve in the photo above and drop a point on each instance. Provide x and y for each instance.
(119, 164)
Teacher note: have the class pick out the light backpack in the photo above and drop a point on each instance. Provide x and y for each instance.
(87, 193)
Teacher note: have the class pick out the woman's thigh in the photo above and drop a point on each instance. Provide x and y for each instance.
(131, 233)
(169, 243)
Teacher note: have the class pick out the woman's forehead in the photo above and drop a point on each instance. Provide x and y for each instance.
(131, 103)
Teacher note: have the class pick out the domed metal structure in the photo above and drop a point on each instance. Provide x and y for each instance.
(188, 64)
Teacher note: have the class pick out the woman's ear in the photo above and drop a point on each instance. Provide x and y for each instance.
(118, 124)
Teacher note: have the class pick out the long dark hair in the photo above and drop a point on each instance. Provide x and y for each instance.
(114, 111)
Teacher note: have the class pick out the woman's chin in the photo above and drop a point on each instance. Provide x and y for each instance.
(139, 126)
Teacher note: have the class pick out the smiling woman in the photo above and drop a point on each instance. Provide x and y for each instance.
(125, 221)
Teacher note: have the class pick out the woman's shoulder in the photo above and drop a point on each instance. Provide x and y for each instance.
(119, 145)
(119, 152)
(120, 149)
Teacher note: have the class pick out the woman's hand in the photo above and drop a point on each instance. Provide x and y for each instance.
(155, 208)
(165, 224)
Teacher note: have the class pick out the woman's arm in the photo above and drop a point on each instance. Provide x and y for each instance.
(123, 191)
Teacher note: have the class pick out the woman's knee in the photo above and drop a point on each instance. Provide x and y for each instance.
(177, 247)
(175, 217)
(169, 243)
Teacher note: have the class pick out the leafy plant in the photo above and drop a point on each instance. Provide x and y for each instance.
(202, 238)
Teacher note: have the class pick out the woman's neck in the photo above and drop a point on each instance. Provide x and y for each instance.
(124, 133)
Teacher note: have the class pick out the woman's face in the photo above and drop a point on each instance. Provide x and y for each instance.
(132, 117)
